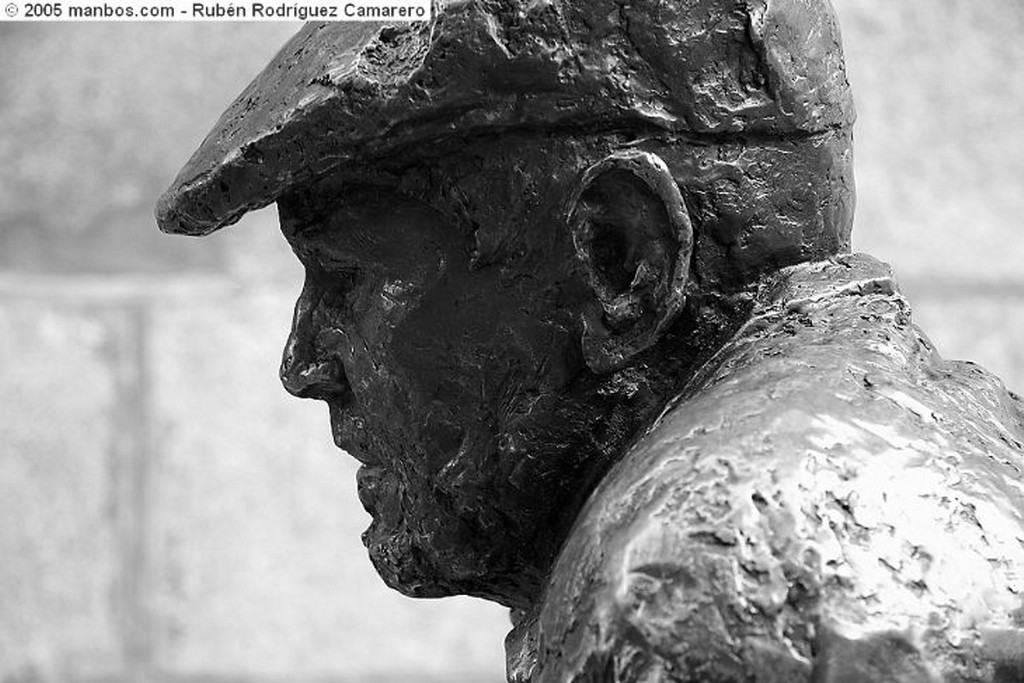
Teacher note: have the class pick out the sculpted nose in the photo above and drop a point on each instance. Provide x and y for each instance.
(307, 377)
(308, 371)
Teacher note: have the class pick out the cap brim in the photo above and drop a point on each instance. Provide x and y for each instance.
(267, 140)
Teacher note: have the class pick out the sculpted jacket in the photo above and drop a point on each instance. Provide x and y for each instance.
(828, 500)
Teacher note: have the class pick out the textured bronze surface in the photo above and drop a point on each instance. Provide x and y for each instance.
(578, 297)
(828, 500)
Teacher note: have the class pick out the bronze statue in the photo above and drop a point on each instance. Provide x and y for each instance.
(578, 295)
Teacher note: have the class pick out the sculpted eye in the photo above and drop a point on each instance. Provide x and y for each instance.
(339, 286)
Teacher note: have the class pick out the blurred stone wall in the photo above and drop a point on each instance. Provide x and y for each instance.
(939, 153)
(170, 514)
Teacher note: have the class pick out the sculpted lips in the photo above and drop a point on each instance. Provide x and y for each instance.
(368, 483)
(348, 432)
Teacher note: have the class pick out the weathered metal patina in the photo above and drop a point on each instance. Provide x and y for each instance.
(578, 295)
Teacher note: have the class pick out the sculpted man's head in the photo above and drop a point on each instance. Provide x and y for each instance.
(523, 226)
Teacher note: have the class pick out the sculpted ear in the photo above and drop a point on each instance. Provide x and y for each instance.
(633, 237)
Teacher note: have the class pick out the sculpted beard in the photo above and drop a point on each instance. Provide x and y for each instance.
(451, 529)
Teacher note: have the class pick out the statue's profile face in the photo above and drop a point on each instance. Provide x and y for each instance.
(491, 324)
(448, 350)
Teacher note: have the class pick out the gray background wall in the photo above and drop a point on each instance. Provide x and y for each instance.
(169, 514)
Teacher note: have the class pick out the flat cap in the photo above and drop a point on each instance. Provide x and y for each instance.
(341, 92)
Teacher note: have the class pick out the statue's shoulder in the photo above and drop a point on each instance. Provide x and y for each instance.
(828, 495)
